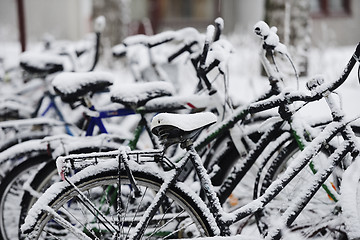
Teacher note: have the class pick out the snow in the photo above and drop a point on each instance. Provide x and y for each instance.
(33, 121)
(134, 94)
(262, 29)
(72, 82)
(185, 35)
(179, 102)
(99, 24)
(220, 22)
(40, 60)
(210, 32)
(349, 199)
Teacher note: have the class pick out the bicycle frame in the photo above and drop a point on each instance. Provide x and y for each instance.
(278, 100)
(224, 219)
(97, 121)
(299, 163)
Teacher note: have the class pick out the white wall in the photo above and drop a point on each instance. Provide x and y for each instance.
(65, 19)
(8, 20)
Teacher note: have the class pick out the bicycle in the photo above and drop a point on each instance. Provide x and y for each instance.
(217, 212)
(43, 65)
(74, 93)
(272, 90)
(37, 123)
(48, 126)
(150, 106)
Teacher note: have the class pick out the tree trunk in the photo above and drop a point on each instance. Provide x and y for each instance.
(291, 17)
(117, 14)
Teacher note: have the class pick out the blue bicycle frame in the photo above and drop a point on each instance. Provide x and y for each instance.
(96, 121)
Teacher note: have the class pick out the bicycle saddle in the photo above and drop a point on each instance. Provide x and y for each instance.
(72, 86)
(174, 128)
(137, 94)
(41, 63)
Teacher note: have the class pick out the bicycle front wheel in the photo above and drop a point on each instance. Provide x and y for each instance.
(114, 209)
(350, 199)
(320, 216)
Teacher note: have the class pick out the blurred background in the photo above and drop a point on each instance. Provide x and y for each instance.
(327, 20)
(302, 24)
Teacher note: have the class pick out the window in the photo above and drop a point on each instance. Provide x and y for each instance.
(177, 14)
(325, 8)
(198, 10)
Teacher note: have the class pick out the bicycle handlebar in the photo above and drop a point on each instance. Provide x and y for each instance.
(212, 38)
(270, 37)
(185, 48)
(287, 97)
(187, 34)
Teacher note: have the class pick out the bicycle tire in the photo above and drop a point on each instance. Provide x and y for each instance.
(350, 199)
(42, 180)
(11, 192)
(95, 176)
(39, 182)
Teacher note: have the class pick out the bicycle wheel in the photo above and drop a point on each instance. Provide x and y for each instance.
(11, 192)
(42, 180)
(69, 217)
(320, 216)
(350, 199)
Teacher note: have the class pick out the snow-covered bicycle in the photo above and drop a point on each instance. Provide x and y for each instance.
(156, 216)
(147, 101)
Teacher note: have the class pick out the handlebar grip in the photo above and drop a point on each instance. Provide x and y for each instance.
(99, 24)
(219, 26)
(357, 52)
(262, 29)
(201, 68)
(209, 36)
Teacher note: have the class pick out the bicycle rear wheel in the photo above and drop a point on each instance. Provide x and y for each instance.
(67, 215)
(11, 192)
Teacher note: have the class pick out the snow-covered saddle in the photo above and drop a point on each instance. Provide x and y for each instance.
(137, 94)
(174, 128)
(72, 86)
(41, 63)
